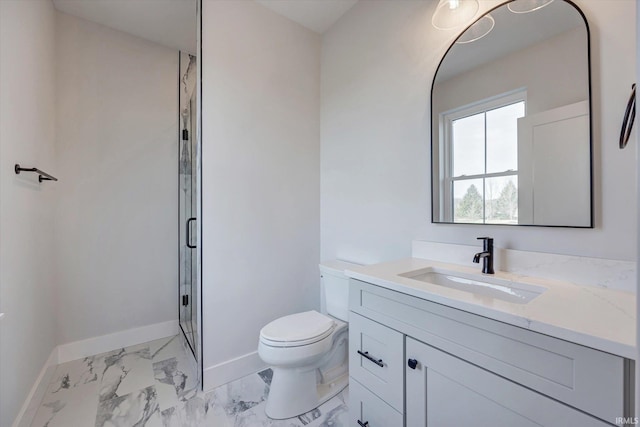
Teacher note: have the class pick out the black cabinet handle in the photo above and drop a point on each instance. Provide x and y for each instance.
(188, 234)
(412, 363)
(365, 424)
(629, 117)
(366, 356)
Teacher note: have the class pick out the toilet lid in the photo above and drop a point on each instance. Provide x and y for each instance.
(299, 327)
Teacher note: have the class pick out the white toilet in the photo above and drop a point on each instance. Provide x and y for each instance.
(308, 351)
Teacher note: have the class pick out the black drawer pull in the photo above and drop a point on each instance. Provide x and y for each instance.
(366, 423)
(366, 356)
(413, 363)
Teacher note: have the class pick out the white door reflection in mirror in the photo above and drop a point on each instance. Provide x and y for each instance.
(554, 144)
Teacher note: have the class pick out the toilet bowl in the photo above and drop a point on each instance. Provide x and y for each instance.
(308, 351)
(309, 366)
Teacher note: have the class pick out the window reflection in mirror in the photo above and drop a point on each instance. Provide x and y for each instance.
(511, 129)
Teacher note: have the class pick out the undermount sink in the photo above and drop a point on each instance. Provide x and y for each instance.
(482, 286)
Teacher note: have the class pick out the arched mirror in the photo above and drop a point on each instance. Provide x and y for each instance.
(511, 120)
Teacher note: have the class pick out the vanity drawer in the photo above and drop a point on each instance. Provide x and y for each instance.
(587, 379)
(376, 355)
(366, 407)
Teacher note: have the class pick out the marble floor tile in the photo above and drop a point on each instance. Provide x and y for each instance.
(72, 396)
(126, 370)
(333, 413)
(239, 396)
(166, 348)
(139, 408)
(266, 376)
(174, 372)
(174, 383)
(192, 412)
(77, 373)
(155, 384)
(243, 403)
(76, 407)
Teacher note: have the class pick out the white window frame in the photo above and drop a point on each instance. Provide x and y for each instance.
(446, 120)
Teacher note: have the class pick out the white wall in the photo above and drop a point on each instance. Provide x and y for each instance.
(116, 147)
(27, 131)
(378, 62)
(260, 156)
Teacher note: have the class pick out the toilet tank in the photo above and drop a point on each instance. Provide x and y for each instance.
(334, 286)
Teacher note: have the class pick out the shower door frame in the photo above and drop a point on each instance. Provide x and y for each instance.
(197, 191)
(199, 184)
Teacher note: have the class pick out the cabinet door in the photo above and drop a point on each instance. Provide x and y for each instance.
(443, 390)
(365, 408)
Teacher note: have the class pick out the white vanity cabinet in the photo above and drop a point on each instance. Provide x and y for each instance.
(445, 391)
(419, 363)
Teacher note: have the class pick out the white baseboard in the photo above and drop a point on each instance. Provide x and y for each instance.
(231, 370)
(31, 403)
(96, 345)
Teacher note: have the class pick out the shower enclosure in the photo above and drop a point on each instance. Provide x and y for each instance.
(188, 202)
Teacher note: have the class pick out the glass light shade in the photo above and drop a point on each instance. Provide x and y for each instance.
(481, 28)
(451, 14)
(526, 6)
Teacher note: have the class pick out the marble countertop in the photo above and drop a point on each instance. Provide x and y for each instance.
(592, 316)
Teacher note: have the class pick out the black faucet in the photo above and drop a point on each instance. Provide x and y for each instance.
(486, 255)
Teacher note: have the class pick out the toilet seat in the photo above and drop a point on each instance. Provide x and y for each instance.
(298, 329)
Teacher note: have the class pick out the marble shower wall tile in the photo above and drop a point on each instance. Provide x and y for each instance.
(604, 273)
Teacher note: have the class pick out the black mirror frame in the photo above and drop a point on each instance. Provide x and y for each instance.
(591, 190)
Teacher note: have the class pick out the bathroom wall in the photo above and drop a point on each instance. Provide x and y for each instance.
(116, 147)
(27, 131)
(378, 62)
(260, 156)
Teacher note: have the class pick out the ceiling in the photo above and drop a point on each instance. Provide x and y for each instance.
(172, 23)
(316, 15)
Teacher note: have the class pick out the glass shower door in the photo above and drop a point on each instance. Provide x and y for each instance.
(187, 218)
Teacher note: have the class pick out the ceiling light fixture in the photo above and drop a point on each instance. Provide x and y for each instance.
(526, 6)
(450, 14)
(478, 30)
